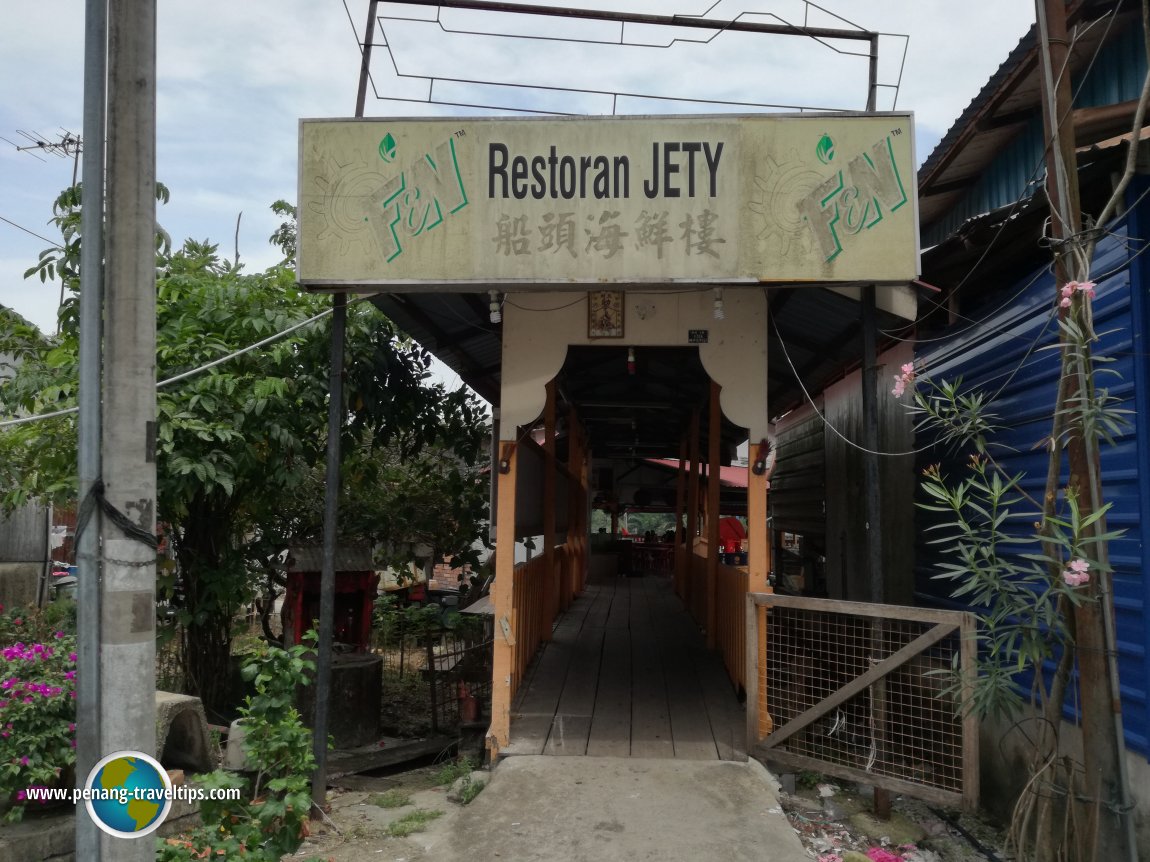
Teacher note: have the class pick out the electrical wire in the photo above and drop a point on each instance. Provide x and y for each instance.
(50, 242)
(24, 420)
(826, 422)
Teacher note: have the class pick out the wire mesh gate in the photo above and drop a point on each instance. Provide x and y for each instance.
(863, 692)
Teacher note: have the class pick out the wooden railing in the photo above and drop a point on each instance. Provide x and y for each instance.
(697, 592)
(529, 615)
(538, 594)
(731, 620)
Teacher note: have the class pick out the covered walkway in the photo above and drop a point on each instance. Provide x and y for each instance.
(628, 674)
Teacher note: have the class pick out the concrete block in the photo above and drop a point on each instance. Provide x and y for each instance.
(182, 737)
(235, 758)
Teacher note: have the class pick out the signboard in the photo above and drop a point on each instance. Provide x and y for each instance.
(625, 200)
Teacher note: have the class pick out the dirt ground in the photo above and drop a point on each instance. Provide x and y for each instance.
(358, 823)
(832, 822)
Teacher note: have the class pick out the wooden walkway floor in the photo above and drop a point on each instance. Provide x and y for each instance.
(627, 674)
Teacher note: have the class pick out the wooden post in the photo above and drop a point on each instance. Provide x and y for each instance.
(692, 510)
(550, 605)
(758, 569)
(681, 547)
(502, 592)
(759, 550)
(583, 511)
(714, 439)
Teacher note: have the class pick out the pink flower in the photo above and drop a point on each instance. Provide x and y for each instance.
(70, 675)
(1077, 573)
(59, 635)
(24, 760)
(903, 380)
(878, 854)
(1073, 287)
(71, 656)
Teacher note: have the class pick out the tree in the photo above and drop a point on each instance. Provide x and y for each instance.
(240, 445)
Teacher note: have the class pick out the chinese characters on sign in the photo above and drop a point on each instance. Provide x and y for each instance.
(605, 236)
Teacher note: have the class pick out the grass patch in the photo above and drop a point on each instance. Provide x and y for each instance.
(416, 821)
(470, 790)
(394, 798)
(449, 772)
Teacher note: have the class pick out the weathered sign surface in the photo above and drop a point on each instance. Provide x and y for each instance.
(627, 200)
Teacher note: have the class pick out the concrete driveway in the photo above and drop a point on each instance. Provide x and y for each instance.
(597, 809)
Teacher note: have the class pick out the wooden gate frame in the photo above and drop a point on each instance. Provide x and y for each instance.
(945, 623)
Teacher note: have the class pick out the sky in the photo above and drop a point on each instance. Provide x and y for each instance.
(234, 78)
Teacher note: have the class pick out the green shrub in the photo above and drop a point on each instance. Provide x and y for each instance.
(270, 819)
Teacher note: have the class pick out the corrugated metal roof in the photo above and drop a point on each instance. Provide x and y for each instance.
(993, 151)
(1003, 354)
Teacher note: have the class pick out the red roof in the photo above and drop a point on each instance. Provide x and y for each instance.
(732, 477)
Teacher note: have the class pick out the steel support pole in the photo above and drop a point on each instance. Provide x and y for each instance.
(327, 575)
(872, 494)
(872, 491)
(323, 685)
(365, 65)
(88, 424)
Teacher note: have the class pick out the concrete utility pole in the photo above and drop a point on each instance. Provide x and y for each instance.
(128, 636)
(1105, 782)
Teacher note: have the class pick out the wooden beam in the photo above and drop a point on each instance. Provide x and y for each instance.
(714, 441)
(759, 548)
(758, 569)
(692, 506)
(550, 586)
(682, 548)
(502, 592)
(968, 645)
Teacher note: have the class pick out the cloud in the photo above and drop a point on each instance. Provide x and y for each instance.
(234, 78)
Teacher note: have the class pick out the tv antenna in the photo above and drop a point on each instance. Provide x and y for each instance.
(66, 145)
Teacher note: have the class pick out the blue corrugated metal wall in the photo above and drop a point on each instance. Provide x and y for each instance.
(1003, 354)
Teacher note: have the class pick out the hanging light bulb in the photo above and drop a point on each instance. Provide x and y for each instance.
(720, 314)
(493, 305)
(630, 360)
